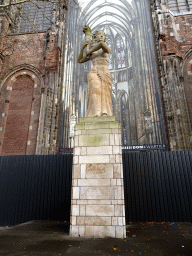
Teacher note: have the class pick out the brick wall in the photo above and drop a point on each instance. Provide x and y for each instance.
(18, 118)
(26, 63)
(20, 102)
(22, 49)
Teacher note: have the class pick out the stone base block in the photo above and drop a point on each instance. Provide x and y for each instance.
(98, 231)
(97, 208)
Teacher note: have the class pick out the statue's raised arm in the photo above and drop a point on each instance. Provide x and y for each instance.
(87, 32)
(99, 79)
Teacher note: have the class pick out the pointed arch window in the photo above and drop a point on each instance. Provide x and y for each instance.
(120, 52)
(109, 43)
(129, 56)
(38, 15)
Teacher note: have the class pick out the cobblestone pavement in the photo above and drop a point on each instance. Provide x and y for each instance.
(52, 238)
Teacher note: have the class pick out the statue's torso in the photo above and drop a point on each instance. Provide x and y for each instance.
(100, 58)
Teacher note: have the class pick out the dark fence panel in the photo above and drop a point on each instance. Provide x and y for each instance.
(35, 187)
(158, 186)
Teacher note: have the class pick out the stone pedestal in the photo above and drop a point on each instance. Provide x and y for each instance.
(97, 206)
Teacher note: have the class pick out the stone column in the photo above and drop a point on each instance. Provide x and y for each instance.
(97, 206)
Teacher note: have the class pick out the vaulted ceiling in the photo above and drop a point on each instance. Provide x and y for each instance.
(114, 17)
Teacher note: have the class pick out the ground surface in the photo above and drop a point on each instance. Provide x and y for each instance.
(52, 238)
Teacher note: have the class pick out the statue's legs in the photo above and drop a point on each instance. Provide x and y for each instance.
(94, 95)
(106, 105)
(99, 93)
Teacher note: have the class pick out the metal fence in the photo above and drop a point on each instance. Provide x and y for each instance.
(35, 187)
(158, 186)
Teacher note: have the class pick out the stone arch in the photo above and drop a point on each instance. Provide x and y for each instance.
(23, 68)
(20, 103)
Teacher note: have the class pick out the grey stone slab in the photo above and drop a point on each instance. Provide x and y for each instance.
(98, 193)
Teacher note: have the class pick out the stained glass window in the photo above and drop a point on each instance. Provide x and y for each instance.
(120, 52)
(110, 65)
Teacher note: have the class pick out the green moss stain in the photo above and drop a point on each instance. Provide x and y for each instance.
(93, 141)
(79, 126)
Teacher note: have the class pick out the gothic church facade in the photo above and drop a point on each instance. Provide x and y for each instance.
(43, 91)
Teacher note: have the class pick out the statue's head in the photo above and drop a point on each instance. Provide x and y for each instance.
(99, 36)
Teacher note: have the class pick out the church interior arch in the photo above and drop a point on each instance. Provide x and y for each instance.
(132, 65)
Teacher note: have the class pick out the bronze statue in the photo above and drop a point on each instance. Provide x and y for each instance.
(99, 79)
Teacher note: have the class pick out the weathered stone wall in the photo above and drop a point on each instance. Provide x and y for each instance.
(176, 106)
(22, 49)
(36, 56)
(187, 77)
(174, 33)
(49, 118)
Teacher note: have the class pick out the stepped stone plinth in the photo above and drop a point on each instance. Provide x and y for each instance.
(97, 206)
